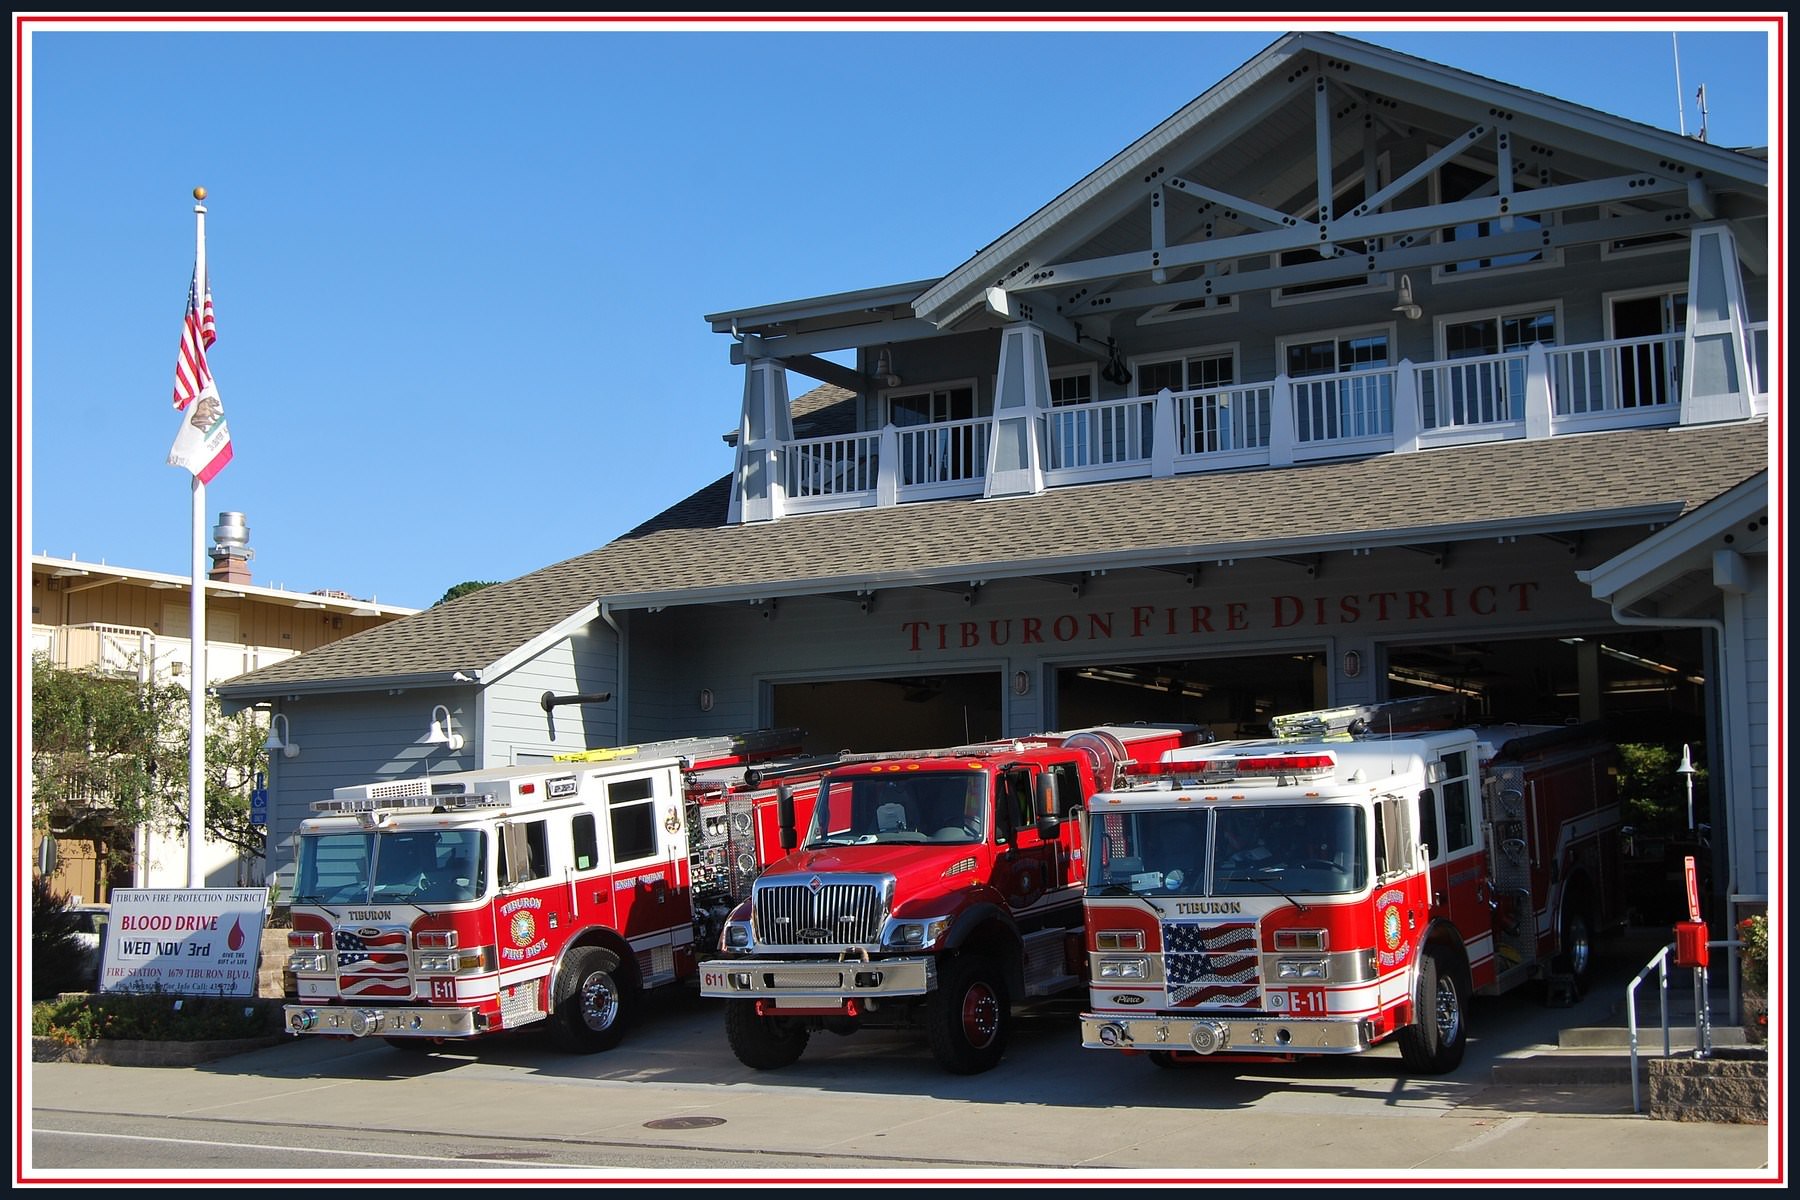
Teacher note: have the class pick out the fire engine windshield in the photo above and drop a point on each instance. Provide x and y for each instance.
(1312, 849)
(416, 866)
(937, 806)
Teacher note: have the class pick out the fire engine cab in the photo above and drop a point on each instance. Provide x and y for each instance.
(1354, 879)
(457, 905)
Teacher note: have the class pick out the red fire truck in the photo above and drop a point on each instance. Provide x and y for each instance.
(1354, 879)
(931, 889)
(432, 909)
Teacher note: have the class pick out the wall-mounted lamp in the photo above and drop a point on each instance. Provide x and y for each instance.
(1406, 307)
(1022, 683)
(442, 731)
(706, 699)
(280, 738)
(884, 369)
(1352, 664)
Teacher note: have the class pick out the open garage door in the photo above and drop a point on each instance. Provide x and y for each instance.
(898, 713)
(1233, 697)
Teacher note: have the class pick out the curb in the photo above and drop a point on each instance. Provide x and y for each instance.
(126, 1052)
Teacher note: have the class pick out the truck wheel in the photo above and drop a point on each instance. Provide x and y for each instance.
(1162, 1058)
(968, 1017)
(1576, 959)
(412, 1045)
(763, 1043)
(1433, 1044)
(593, 1002)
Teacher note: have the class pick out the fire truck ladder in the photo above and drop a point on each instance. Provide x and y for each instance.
(701, 752)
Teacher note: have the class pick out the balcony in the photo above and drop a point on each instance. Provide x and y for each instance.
(1545, 391)
(128, 650)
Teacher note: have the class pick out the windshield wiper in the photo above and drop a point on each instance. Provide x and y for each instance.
(1261, 882)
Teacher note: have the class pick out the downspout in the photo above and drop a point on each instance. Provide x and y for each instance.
(623, 688)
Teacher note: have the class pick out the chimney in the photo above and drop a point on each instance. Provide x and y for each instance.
(231, 552)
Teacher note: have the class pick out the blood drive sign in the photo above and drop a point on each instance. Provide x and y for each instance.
(191, 942)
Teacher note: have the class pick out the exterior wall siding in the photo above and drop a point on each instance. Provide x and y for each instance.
(514, 720)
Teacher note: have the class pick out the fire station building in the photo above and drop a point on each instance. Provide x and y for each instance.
(1358, 377)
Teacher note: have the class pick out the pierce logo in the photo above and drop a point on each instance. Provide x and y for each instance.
(1127, 998)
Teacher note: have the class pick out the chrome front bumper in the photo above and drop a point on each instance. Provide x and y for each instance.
(815, 982)
(1205, 1034)
(348, 1020)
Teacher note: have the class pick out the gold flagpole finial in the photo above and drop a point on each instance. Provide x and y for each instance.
(199, 193)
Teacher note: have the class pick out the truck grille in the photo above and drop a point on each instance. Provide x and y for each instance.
(1211, 964)
(818, 912)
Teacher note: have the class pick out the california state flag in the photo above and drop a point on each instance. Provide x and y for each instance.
(203, 444)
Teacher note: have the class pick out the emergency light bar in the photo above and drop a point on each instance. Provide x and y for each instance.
(367, 804)
(1011, 746)
(1220, 768)
(701, 751)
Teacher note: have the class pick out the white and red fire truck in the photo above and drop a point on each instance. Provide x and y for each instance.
(457, 905)
(932, 889)
(1348, 881)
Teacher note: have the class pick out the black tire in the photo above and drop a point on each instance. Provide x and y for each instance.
(1434, 1043)
(763, 1043)
(593, 1003)
(1162, 1058)
(969, 1016)
(1575, 959)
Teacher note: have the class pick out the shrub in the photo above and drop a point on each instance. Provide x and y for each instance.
(1753, 932)
(154, 1016)
(58, 957)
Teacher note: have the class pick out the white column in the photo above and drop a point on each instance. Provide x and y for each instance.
(765, 428)
(1015, 465)
(1715, 377)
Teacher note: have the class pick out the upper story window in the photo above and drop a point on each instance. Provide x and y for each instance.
(931, 406)
(1188, 373)
(1343, 200)
(1071, 385)
(1365, 351)
(1464, 181)
(1359, 402)
(1499, 334)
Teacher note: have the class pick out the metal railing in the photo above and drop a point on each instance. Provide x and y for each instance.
(1659, 963)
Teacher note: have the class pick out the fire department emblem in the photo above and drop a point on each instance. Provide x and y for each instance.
(1391, 932)
(523, 927)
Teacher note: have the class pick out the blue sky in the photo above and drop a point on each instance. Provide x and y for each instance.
(460, 275)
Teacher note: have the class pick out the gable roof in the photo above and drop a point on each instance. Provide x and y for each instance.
(1255, 135)
(688, 555)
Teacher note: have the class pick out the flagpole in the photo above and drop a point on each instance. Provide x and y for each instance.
(196, 874)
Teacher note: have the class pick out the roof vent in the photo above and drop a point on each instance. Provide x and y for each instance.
(231, 552)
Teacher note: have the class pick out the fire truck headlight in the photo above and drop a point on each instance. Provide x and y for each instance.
(1301, 968)
(915, 935)
(471, 960)
(309, 963)
(736, 936)
(1124, 968)
(1119, 939)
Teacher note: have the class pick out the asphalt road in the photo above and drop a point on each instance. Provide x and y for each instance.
(672, 1105)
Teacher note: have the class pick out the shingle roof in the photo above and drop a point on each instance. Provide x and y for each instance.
(687, 554)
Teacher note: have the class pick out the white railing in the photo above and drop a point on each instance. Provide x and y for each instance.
(814, 468)
(1102, 434)
(1539, 392)
(143, 654)
(945, 458)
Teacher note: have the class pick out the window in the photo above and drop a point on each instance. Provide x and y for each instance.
(938, 455)
(631, 810)
(1071, 387)
(1464, 181)
(1348, 406)
(1489, 391)
(1649, 371)
(1393, 849)
(1205, 369)
(932, 406)
(1343, 200)
(586, 837)
(524, 851)
(1459, 827)
(1428, 825)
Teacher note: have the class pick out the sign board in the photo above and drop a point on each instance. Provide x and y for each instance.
(188, 942)
(259, 801)
(1693, 888)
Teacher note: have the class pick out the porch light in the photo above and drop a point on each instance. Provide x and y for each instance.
(281, 738)
(1406, 307)
(442, 731)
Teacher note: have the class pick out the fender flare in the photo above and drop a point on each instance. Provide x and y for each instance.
(989, 922)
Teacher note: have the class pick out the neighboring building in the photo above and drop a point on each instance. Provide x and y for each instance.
(87, 615)
(1357, 377)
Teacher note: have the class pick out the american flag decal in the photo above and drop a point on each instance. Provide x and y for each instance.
(372, 962)
(1210, 964)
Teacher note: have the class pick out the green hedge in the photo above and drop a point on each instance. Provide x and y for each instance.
(153, 1016)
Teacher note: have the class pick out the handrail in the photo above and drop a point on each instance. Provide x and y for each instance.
(1702, 1008)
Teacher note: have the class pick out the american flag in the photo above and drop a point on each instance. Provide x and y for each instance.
(198, 332)
(372, 962)
(1210, 964)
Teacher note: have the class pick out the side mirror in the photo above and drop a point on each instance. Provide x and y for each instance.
(784, 817)
(1049, 821)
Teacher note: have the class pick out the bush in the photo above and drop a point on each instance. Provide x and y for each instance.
(1753, 932)
(154, 1016)
(58, 957)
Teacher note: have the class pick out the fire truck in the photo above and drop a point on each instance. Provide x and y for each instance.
(1354, 879)
(931, 889)
(453, 906)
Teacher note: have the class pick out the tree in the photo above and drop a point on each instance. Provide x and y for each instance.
(110, 752)
(464, 588)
